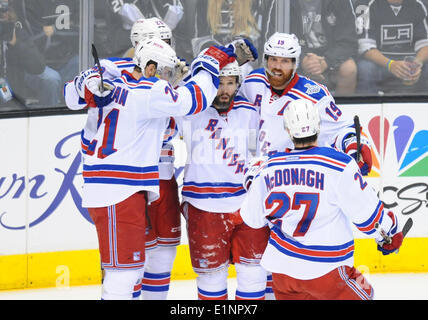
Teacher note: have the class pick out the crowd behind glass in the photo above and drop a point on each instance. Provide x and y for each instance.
(40, 41)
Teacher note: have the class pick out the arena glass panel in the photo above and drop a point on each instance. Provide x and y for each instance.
(52, 41)
(40, 51)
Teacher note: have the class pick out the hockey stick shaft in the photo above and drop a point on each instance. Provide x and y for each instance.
(98, 64)
(407, 226)
(358, 135)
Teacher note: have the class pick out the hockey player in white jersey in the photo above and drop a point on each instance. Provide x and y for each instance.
(163, 229)
(163, 233)
(120, 165)
(164, 215)
(310, 196)
(218, 143)
(275, 85)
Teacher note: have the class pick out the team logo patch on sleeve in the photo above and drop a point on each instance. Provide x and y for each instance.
(312, 89)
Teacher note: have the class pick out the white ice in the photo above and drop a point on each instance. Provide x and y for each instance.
(393, 286)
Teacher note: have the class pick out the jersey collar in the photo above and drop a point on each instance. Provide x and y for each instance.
(290, 85)
(129, 75)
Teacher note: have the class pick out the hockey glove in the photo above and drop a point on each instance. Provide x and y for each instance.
(181, 72)
(365, 159)
(253, 167)
(245, 51)
(94, 96)
(223, 55)
(88, 85)
(396, 238)
(81, 80)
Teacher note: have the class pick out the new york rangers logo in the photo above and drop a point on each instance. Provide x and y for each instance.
(137, 256)
(311, 88)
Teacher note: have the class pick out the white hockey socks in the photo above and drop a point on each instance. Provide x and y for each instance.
(119, 284)
(212, 286)
(269, 290)
(251, 282)
(157, 273)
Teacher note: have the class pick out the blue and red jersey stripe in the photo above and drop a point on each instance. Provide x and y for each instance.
(199, 102)
(121, 174)
(368, 227)
(212, 190)
(318, 253)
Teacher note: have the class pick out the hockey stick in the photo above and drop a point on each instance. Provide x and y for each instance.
(358, 135)
(406, 228)
(97, 62)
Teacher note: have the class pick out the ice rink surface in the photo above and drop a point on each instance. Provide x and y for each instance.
(393, 286)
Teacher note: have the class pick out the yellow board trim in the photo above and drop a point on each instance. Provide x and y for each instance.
(82, 267)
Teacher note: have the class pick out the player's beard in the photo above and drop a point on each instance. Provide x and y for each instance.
(278, 79)
(222, 103)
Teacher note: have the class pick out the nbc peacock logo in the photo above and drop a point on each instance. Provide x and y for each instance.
(410, 146)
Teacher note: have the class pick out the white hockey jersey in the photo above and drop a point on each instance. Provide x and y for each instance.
(309, 199)
(112, 69)
(217, 154)
(123, 155)
(272, 136)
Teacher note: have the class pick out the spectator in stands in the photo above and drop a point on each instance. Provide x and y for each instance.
(219, 22)
(55, 30)
(114, 19)
(329, 42)
(111, 33)
(25, 65)
(394, 47)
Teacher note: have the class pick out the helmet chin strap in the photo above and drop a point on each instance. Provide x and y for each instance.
(268, 72)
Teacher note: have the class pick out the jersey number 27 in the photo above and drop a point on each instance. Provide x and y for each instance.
(281, 204)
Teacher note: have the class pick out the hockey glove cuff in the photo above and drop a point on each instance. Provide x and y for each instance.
(223, 55)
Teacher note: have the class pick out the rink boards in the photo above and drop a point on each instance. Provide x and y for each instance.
(47, 239)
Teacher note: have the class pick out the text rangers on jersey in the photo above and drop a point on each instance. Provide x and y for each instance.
(120, 165)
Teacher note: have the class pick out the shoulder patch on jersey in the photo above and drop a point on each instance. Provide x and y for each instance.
(308, 89)
(311, 88)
